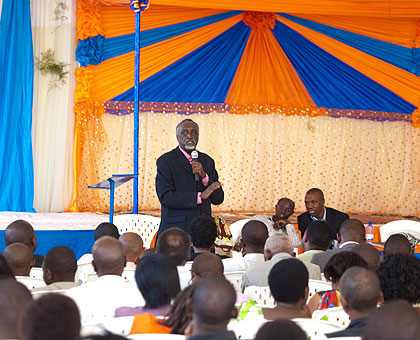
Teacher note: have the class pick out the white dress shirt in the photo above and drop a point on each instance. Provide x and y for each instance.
(242, 263)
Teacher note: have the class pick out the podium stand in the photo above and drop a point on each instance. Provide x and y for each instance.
(110, 184)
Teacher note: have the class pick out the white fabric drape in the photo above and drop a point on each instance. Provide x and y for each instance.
(53, 117)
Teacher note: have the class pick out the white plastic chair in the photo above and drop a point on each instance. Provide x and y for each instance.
(261, 295)
(235, 278)
(335, 315)
(128, 274)
(236, 231)
(38, 294)
(156, 337)
(318, 286)
(144, 225)
(315, 328)
(36, 273)
(121, 325)
(30, 282)
(395, 227)
(83, 270)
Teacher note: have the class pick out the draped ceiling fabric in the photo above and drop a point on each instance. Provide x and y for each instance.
(339, 59)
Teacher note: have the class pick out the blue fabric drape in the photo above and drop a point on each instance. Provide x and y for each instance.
(203, 76)
(16, 89)
(90, 50)
(400, 56)
(331, 82)
(116, 46)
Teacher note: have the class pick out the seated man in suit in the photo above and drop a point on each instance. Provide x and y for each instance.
(316, 210)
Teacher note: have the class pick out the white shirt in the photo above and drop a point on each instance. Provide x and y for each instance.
(242, 263)
(184, 273)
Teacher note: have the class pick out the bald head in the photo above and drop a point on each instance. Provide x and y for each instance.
(370, 254)
(397, 244)
(20, 231)
(352, 230)
(20, 258)
(133, 246)
(254, 235)
(278, 243)
(108, 256)
(176, 244)
(206, 264)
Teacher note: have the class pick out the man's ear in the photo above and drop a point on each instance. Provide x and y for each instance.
(344, 302)
(306, 294)
(235, 313)
(94, 266)
(381, 298)
(48, 275)
(338, 238)
(267, 254)
(137, 259)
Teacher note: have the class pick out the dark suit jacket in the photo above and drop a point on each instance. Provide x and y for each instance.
(177, 189)
(333, 217)
(321, 259)
(355, 328)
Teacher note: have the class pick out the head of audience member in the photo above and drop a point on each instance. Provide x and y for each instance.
(157, 279)
(317, 236)
(351, 230)
(359, 292)
(106, 336)
(14, 296)
(59, 265)
(288, 282)
(133, 246)
(51, 317)
(106, 229)
(6, 271)
(203, 232)
(397, 243)
(395, 320)
(370, 254)
(175, 243)
(108, 256)
(276, 244)
(285, 208)
(187, 133)
(213, 305)
(399, 277)
(148, 252)
(206, 264)
(254, 235)
(20, 258)
(20, 231)
(315, 203)
(339, 263)
(281, 329)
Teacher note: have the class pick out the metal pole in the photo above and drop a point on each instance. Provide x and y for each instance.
(136, 114)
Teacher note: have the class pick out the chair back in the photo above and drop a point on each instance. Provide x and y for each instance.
(128, 274)
(236, 231)
(395, 227)
(335, 315)
(30, 282)
(38, 294)
(261, 295)
(315, 328)
(317, 286)
(121, 325)
(144, 225)
(156, 337)
(235, 278)
(36, 273)
(83, 270)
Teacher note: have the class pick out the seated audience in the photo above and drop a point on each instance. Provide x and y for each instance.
(280, 330)
(20, 231)
(370, 254)
(317, 239)
(359, 295)
(277, 248)
(59, 269)
(148, 252)
(51, 317)
(254, 234)
(213, 308)
(279, 223)
(106, 336)
(395, 320)
(397, 243)
(5, 271)
(203, 232)
(14, 296)
(399, 275)
(158, 282)
(334, 269)
(20, 259)
(133, 248)
(109, 291)
(204, 265)
(175, 243)
(351, 234)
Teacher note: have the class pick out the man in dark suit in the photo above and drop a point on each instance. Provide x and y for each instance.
(184, 195)
(314, 202)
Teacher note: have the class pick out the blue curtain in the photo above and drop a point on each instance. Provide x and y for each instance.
(16, 87)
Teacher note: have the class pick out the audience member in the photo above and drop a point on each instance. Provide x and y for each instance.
(148, 252)
(280, 330)
(397, 243)
(106, 336)
(316, 210)
(370, 254)
(254, 235)
(359, 295)
(14, 296)
(399, 275)
(204, 265)
(109, 291)
(51, 317)
(20, 231)
(334, 269)
(175, 243)
(279, 223)
(203, 232)
(395, 320)
(133, 248)
(59, 268)
(20, 259)
(158, 281)
(351, 234)
(5, 271)
(317, 239)
(288, 282)
(213, 308)
(277, 248)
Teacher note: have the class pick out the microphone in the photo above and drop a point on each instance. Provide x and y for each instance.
(194, 156)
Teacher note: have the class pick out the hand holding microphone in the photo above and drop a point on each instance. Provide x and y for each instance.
(197, 167)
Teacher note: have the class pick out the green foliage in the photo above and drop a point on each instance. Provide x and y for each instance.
(48, 65)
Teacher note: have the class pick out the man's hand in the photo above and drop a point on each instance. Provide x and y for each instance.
(280, 224)
(197, 168)
(209, 190)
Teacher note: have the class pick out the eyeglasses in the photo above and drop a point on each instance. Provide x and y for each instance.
(185, 133)
(282, 207)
